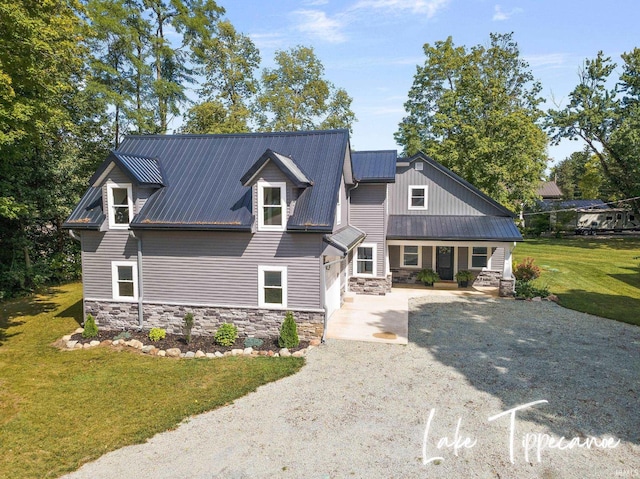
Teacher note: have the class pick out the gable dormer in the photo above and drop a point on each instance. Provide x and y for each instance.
(277, 182)
(126, 182)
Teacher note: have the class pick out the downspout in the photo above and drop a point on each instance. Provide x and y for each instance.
(74, 236)
(349, 202)
(140, 275)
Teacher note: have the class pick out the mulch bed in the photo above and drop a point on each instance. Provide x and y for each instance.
(205, 344)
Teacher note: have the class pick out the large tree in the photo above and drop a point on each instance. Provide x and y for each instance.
(296, 96)
(580, 176)
(49, 132)
(477, 112)
(607, 119)
(230, 60)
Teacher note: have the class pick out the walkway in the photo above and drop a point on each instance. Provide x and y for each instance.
(385, 319)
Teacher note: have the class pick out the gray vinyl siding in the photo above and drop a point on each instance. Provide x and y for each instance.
(368, 212)
(445, 196)
(272, 173)
(141, 196)
(222, 267)
(427, 257)
(99, 249)
(497, 259)
(463, 258)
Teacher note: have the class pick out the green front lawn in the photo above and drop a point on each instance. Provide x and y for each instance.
(593, 275)
(60, 409)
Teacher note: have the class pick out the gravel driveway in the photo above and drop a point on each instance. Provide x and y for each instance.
(360, 409)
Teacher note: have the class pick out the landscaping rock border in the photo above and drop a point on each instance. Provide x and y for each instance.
(68, 344)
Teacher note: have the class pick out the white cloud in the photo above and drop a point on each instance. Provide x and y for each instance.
(419, 7)
(317, 24)
(499, 15)
(547, 60)
(267, 40)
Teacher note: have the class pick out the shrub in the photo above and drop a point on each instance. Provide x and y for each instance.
(464, 275)
(188, 325)
(288, 332)
(526, 271)
(428, 276)
(123, 335)
(527, 290)
(156, 334)
(253, 342)
(90, 328)
(226, 334)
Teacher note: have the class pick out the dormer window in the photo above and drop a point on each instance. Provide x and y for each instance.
(120, 204)
(272, 206)
(418, 197)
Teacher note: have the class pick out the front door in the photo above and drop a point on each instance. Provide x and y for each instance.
(444, 262)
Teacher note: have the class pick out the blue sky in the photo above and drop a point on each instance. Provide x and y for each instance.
(371, 47)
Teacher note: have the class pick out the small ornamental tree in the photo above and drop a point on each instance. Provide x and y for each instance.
(526, 271)
(188, 325)
(90, 328)
(288, 332)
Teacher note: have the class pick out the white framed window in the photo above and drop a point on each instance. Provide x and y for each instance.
(124, 278)
(479, 257)
(120, 205)
(417, 197)
(364, 260)
(272, 206)
(272, 286)
(339, 208)
(419, 165)
(411, 256)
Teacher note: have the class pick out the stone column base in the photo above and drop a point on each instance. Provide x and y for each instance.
(507, 287)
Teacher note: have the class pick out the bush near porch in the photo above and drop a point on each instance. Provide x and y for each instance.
(596, 275)
(60, 409)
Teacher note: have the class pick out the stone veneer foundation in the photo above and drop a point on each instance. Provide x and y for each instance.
(373, 286)
(507, 287)
(258, 323)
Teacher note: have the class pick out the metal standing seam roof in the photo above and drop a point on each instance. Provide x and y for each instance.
(374, 166)
(578, 204)
(453, 228)
(288, 166)
(549, 189)
(346, 239)
(143, 170)
(88, 214)
(202, 175)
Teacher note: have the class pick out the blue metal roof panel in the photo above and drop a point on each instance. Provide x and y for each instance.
(567, 204)
(285, 163)
(346, 239)
(453, 228)
(374, 166)
(203, 175)
(88, 213)
(145, 170)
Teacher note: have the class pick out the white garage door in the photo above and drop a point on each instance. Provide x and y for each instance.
(333, 288)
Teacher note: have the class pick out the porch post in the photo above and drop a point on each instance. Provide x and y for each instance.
(507, 282)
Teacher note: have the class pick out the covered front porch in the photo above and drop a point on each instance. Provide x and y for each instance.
(481, 245)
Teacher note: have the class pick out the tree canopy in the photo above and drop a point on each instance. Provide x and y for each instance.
(607, 118)
(296, 96)
(476, 110)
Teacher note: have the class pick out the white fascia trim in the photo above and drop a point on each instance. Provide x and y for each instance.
(261, 299)
(104, 175)
(426, 197)
(375, 260)
(112, 222)
(260, 185)
(114, 281)
(408, 266)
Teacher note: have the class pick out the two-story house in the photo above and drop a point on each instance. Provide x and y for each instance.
(241, 228)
